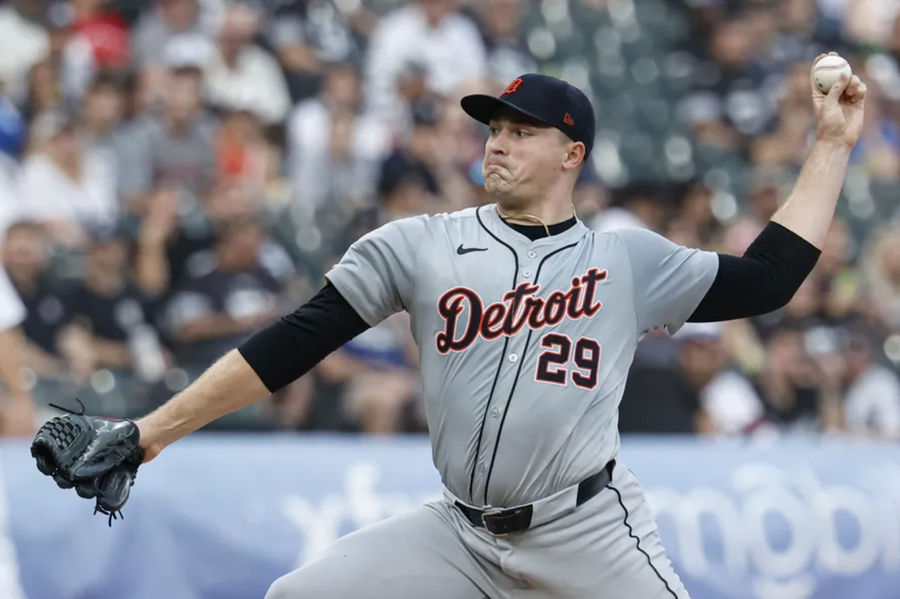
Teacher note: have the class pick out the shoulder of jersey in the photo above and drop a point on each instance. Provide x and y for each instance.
(428, 220)
(614, 235)
(464, 214)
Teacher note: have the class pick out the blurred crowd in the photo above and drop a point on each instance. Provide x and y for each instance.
(176, 174)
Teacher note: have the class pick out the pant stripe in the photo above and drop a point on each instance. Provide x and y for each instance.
(638, 542)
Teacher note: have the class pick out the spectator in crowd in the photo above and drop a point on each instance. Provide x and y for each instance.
(591, 196)
(166, 20)
(309, 38)
(501, 29)
(172, 249)
(430, 35)
(105, 129)
(732, 80)
(106, 306)
(882, 277)
(25, 43)
(702, 114)
(103, 113)
(63, 184)
(302, 68)
(425, 152)
(404, 186)
(789, 385)
(461, 145)
(176, 146)
(638, 205)
(242, 74)
(104, 31)
(334, 147)
(53, 348)
(768, 187)
(157, 236)
(71, 56)
(787, 144)
(657, 399)
(837, 281)
(695, 214)
(801, 313)
(872, 396)
(44, 90)
(728, 402)
(243, 155)
(211, 312)
(372, 381)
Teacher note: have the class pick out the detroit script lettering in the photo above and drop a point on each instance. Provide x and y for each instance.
(519, 308)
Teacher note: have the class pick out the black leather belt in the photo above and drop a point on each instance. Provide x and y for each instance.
(502, 521)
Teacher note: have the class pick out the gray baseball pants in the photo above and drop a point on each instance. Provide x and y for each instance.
(607, 548)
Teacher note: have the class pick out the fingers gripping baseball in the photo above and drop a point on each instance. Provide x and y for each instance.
(838, 100)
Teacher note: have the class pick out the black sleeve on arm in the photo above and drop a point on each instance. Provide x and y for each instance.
(286, 350)
(763, 280)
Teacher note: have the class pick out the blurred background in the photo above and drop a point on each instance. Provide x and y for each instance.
(176, 174)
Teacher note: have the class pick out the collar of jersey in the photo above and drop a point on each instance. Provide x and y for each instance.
(499, 228)
(535, 232)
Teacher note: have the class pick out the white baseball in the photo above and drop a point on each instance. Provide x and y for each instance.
(828, 70)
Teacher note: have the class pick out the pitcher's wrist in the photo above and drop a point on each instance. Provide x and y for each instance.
(832, 145)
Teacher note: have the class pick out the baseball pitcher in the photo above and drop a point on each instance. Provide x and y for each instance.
(526, 323)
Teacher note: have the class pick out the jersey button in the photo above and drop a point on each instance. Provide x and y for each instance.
(481, 467)
(532, 254)
(513, 357)
(526, 273)
(495, 413)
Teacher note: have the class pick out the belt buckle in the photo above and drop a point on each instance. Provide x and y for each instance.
(503, 521)
(487, 513)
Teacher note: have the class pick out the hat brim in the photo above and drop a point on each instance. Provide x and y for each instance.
(482, 108)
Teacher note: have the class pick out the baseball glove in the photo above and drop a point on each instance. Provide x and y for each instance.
(97, 456)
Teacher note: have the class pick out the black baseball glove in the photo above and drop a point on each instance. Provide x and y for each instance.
(97, 456)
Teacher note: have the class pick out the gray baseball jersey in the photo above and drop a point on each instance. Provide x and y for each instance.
(524, 345)
(524, 348)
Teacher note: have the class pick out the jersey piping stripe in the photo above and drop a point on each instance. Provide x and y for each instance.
(638, 542)
(512, 391)
(502, 354)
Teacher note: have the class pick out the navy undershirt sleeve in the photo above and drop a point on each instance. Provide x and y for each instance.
(289, 348)
(762, 280)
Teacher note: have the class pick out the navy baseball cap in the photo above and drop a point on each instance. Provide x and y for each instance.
(544, 98)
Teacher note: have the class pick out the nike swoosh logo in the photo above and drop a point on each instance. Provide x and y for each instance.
(461, 250)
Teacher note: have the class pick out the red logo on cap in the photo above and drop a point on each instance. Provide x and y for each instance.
(568, 119)
(514, 86)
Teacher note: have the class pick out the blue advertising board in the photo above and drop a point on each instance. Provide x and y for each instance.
(221, 516)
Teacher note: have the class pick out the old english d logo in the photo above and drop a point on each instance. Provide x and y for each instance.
(514, 86)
